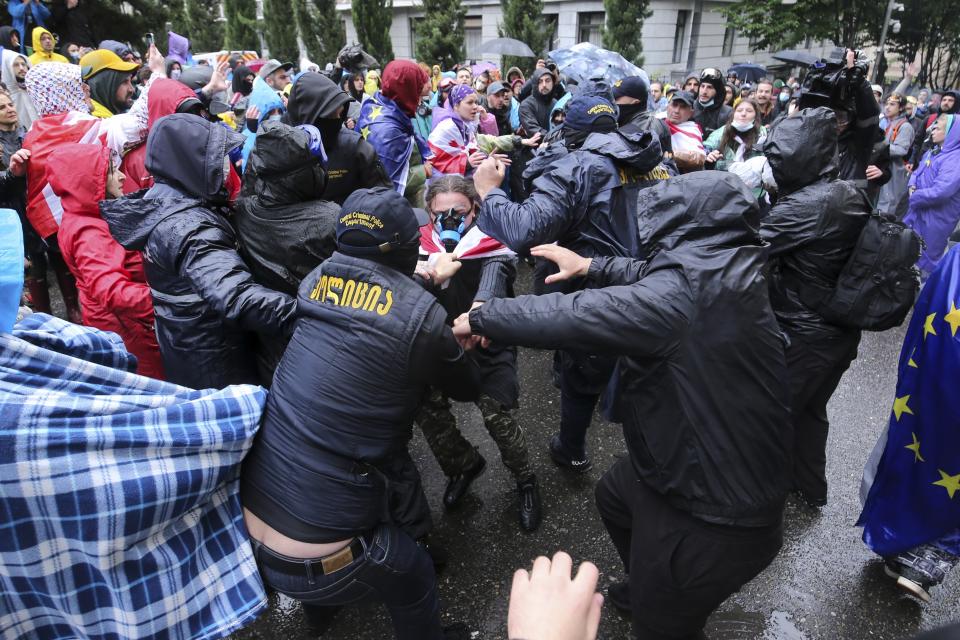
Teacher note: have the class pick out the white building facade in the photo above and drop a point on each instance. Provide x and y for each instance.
(666, 34)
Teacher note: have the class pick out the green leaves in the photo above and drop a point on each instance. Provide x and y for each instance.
(372, 19)
(440, 34)
(240, 32)
(523, 20)
(624, 25)
(280, 29)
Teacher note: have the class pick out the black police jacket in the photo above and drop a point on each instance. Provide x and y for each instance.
(369, 341)
(816, 222)
(702, 389)
(581, 199)
(206, 301)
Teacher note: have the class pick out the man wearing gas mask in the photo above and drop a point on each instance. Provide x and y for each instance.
(488, 271)
(352, 162)
(583, 197)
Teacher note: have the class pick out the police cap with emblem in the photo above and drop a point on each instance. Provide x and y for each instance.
(375, 223)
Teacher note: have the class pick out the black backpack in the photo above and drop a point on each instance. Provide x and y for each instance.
(879, 284)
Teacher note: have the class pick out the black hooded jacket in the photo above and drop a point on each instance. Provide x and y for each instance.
(352, 162)
(205, 299)
(702, 389)
(535, 109)
(6, 38)
(239, 84)
(643, 119)
(581, 199)
(815, 224)
(716, 115)
(283, 230)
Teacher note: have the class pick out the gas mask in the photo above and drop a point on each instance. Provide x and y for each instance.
(450, 225)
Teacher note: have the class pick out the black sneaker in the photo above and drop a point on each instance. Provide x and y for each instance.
(531, 511)
(458, 485)
(438, 555)
(619, 595)
(920, 569)
(577, 463)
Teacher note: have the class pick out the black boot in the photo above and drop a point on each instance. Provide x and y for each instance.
(576, 462)
(458, 485)
(619, 596)
(531, 510)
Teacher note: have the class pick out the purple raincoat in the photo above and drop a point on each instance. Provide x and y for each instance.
(935, 204)
(178, 48)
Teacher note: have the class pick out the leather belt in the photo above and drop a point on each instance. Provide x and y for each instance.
(310, 567)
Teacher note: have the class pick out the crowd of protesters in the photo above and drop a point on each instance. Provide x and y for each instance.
(349, 239)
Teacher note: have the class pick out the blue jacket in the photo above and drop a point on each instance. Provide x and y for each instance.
(19, 12)
(369, 341)
(266, 99)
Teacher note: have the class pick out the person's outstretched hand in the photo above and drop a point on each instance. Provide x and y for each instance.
(489, 176)
(572, 265)
(155, 62)
(545, 604)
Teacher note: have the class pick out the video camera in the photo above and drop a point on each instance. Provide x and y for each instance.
(829, 83)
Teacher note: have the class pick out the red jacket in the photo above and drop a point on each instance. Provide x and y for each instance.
(165, 97)
(114, 295)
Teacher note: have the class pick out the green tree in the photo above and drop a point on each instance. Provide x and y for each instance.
(280, 30)
(240, 32)
(624, 26)
(373, 19)
(930, 34)
(321, 29)
(440, 34)
(775, 25)
(523, 21)
(205, 31)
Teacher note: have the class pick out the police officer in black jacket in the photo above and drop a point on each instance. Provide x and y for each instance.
(332, 499)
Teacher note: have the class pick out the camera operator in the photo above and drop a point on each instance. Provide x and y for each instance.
(862, 151)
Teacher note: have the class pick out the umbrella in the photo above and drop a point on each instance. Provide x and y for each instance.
(507, 47)
(584, 62)
(749, 72)
(795, 57)
(480, 67)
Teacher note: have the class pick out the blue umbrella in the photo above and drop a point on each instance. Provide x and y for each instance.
(584, 62)
(749, 72)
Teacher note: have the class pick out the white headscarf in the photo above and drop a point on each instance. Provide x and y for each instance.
(56, 87)
(26, 109)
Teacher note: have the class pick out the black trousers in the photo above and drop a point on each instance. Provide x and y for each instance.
(680, 567)
(815, 369)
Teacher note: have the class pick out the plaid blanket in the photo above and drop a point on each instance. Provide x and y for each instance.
(119, 508)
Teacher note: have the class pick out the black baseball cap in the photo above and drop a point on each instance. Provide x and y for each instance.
(374, 222)
(631, 87)
(683, 96)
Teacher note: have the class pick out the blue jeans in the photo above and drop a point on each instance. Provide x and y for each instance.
(392, 570)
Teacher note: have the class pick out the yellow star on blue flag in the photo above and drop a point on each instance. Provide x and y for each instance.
(949, 482)
(912, 498)
(376, 112)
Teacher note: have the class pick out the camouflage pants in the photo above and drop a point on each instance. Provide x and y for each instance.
(455, 453)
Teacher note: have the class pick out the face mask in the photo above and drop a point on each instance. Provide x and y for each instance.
(627, 111)
(450, 225)
(275, 118)
(707, 104)
(175, 74)
(743, 126)
(75, 56)
(784, 97)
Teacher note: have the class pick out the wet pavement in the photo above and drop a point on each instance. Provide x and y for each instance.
(824, 584)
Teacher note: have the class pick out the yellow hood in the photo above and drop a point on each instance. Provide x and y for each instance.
(39, 55)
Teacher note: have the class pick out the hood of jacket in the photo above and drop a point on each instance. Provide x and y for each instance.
(116, 46)
(56, 87)
(165, 98)
(403, 82)
(26, 109)
(238, 84)
(77, 173)
(700, 209)
(281, 170)
(178, 47)
(535, 81)
(640, 150)
(103, 89)
(35, 36)
(6, 37)
(802, 149)
(951, 143)
(314, 97)
(264, 98)
(187, 153)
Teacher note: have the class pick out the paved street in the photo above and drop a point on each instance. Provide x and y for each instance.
(824, 584)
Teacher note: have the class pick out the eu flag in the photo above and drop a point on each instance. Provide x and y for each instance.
(915, 496)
